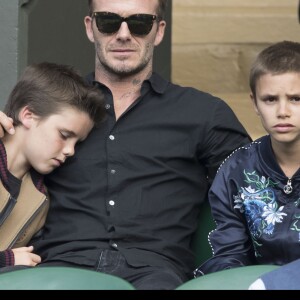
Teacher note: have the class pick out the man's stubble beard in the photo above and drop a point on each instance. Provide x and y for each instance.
(123, 70)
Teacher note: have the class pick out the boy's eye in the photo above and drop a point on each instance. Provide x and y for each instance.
(64, 135)
(271, 99)
(295, 98)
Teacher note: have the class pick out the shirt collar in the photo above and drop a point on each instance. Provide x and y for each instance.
(37, 178)
(158, 84)
(268, 156)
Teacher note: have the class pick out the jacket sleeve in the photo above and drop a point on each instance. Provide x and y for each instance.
(230, 241)
(7, 258)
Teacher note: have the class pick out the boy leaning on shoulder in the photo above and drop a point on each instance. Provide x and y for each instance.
(52, 109)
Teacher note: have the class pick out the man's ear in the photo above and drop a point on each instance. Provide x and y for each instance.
(254, 104)
(26, 117)
(88, 22)
(160, 33)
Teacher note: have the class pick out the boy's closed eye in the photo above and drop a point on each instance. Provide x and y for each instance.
(65, 134)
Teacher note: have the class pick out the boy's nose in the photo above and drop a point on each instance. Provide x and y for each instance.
(283, 110)
(69, 150)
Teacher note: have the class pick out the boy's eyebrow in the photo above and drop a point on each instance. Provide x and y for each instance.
(73, 134)
(69, 132)
(268, 95)
(294, 95)
(275, 96)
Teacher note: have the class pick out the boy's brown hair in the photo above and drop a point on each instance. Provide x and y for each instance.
(46, 88)
(279, 58)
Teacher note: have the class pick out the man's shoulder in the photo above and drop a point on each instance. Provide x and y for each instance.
(172, 86)
(193, 94)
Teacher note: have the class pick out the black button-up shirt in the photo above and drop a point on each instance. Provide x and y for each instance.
(136, 184)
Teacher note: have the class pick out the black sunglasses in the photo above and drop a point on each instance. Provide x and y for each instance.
(138, 24)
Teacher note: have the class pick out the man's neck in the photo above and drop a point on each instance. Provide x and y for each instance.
(125, 90)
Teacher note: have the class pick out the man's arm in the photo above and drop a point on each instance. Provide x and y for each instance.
(224, 135)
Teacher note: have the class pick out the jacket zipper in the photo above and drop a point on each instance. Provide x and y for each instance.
(288, 187)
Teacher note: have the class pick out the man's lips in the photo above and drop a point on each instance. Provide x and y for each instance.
(122, 50)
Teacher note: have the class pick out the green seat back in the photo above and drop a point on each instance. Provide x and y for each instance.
(232, 279)
(200, 243)
(61, 278)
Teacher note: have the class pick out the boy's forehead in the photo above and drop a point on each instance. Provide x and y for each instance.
(290, 75)
(289, 82)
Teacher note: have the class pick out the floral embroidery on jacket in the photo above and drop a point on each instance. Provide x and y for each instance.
(258, 203)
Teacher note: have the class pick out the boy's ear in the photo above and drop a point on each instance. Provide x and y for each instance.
(254, 104)
(26, 117)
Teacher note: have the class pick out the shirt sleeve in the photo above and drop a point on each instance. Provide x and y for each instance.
(224, 134)
(7, 258)
(230, 241)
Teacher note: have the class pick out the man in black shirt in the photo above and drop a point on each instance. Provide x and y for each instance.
(127, 203)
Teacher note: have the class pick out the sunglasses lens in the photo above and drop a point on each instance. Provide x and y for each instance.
(108, 23)
(140, 24)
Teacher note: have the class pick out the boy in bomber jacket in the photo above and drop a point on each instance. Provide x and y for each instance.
(255, 195)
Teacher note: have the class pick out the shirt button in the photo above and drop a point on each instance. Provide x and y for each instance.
(111, 137)
(107, 106)
(114, 245)
(111, 202)
(113, 172)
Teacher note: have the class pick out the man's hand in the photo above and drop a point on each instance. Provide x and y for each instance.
(25, 257)
(6, 124)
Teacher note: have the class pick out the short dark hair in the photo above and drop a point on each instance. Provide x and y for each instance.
(46, 88)
(279, 58)
(161, 9)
